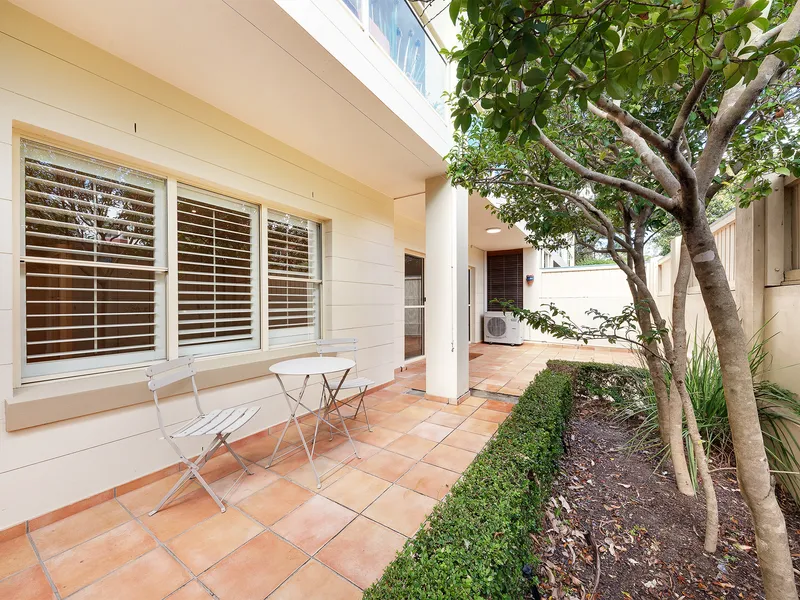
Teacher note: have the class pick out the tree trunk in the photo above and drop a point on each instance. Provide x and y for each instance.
(679, 389)
(670, 421)
(676, 450)
(755, 481)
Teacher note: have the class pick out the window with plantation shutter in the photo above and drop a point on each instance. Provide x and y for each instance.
(503, 277)
(294, 277)
(218, 309)
(93, 263)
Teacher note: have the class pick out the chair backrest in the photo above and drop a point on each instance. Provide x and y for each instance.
(169, 372)
(339, 346)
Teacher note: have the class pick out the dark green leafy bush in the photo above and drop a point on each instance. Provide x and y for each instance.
(476, 541)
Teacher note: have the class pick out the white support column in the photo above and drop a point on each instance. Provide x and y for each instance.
(446, 264)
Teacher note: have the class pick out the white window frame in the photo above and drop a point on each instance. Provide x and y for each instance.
(165, 267)
(315, 280)
(225, 347)
(36, 371)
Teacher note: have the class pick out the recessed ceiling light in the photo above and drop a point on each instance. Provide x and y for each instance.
(493, 230)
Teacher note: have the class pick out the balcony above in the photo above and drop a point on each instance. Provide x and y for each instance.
(306, 72)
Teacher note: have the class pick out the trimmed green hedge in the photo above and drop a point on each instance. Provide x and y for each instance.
(476, 541)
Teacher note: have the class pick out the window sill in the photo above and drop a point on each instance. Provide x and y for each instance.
(52, 401)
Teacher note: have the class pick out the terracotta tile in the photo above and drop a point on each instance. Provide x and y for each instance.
(219, 466)
(327, 469)
(315, 581)
(493, 416)
(13, 532)
(212, 540)
(400, 422)
(312, 525)
(387, 465)
(145, 499)
(431, 431)
(446, 419)
(462, 410)
(508, 390)
(429, 480)
(478, 426)
(78, 528)
(375, 416)
(68, 511)
(149, 577)
(450, 458)
(391, 406)
(423, 403)
(361, 552)
(411, 446)
(16, 554)
(255, 570)
(341, 453)
(326, 442)
(275, 501)
(465, 440)
(88, 562)
(418, 412)
(238, 486)
(473, 401)
(401, 509)
(379, 436)
(356, 490)
(256, 447)
(408, 399)
(286, 463)
(146, 480)
(498, 406)
(30, 584)
(191, 591)
(181, 514)
(292, 436)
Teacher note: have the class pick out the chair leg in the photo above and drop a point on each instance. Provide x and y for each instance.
(210, 491)
(366, 414)
(180, 483)
(193, 470)
(238, 458)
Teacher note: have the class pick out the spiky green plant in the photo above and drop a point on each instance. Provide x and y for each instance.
(778, 408)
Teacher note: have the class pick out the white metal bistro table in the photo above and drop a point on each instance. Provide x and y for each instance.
(306, 368)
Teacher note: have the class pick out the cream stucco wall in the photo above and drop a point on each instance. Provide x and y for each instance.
(577, 289)
(59, 88)
(781, 307)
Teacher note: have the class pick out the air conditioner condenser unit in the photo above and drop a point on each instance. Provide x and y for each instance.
(499, 328)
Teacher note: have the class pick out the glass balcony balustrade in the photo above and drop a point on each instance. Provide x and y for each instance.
(396, 28)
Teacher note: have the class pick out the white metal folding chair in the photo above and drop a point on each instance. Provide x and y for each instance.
(347, 346)
(219, 423)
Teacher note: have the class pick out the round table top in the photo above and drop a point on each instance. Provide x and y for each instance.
(312, 365)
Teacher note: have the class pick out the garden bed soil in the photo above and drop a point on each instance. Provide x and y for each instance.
(622, 507)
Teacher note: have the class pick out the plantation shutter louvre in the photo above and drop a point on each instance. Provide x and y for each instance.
(217, 273)
(93, 263)
(503, 277)
(293, 271)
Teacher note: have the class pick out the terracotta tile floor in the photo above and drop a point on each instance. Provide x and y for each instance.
(281, 537)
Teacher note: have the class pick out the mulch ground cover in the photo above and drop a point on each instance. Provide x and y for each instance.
(616, 527)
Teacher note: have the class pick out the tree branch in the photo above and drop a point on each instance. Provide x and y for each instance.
(657, 166)
(622, 184)
(730, 115)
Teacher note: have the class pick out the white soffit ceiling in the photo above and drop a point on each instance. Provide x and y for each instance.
(480, 219)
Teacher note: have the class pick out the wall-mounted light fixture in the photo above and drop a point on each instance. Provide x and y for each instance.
(493, 230)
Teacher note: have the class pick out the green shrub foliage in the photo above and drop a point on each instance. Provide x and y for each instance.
(476, 541)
